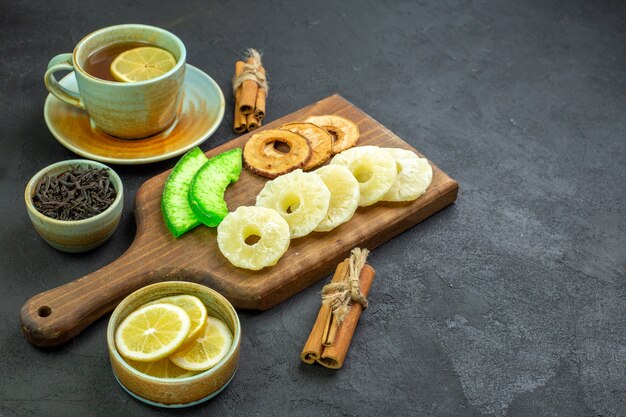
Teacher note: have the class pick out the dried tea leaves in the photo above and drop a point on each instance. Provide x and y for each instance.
(75, 194)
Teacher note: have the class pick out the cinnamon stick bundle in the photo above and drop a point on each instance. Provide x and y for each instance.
(250, 91)
(330, 337)
(334, 354)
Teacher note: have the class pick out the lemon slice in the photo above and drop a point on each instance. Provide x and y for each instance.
(152, 332)
(140, 64)
(163, 368)
(196, 311)
(208, 349)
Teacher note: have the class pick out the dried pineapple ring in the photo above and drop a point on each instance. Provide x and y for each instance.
(261, 157)
(320, 140)
(373, 167)
(245, 222)
(345, 132)
(414, 176)
(301, 198)
(344, 196)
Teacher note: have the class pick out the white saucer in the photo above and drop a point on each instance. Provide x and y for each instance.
(201, 113)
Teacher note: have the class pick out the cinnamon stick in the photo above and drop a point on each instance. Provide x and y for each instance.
(334, 356)
(252, 122)
(314, 345)
(239, 120)
(259, 106)
(328, 320)
(331, 334)
(249, 89)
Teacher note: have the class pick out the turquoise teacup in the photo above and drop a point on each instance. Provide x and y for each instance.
(128, 110)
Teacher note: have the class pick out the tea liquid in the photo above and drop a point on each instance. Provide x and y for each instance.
(99, 62)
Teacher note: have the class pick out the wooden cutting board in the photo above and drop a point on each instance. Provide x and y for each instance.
(55, 316)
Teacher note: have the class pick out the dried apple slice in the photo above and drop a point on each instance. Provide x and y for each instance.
(275, 152)
(320, 140)
(345, 132)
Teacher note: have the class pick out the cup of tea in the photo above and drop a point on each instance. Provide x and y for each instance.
(126, 109)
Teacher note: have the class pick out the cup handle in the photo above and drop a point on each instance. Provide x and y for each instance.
(62, 62)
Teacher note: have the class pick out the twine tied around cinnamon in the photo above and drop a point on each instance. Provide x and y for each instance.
(252, 70)
(339, 296)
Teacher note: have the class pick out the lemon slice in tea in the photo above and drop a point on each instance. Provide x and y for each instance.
(196, 311)
(152, 332)
(143, 63)
(208, 349)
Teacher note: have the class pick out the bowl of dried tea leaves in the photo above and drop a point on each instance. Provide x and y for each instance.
(75, 205)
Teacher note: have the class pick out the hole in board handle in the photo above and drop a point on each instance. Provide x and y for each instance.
(44, 311)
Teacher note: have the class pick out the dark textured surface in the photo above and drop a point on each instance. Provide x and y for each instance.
(512, 302)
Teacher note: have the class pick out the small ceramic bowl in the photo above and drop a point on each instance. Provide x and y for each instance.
(184, 391)
(75, 235)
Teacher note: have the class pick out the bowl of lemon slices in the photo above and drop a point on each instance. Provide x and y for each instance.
(174, 344)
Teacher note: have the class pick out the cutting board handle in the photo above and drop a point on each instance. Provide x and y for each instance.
(55, 316)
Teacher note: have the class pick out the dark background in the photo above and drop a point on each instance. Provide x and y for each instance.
(512, 302)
